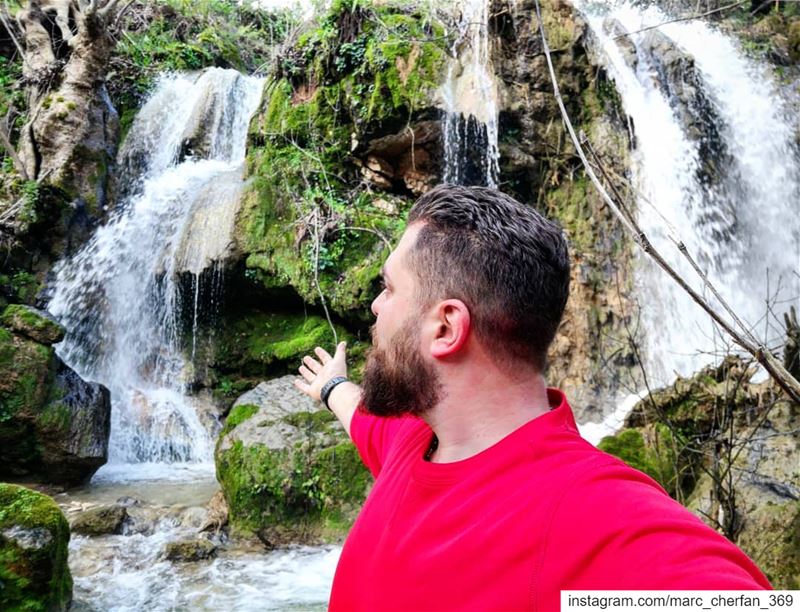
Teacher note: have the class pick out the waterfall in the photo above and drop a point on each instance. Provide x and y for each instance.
(125, 297)
(714, 161)
(470, 99)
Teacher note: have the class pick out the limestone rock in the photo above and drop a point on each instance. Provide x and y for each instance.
(103, 520)
(190, 550)
(34, 539)
(35, 324)
(285, 463)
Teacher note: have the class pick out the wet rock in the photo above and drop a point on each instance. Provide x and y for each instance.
(190, 550)
(35, 324)
(74, 444)
(34, 538)
(217, 514)
(285, 463)
(104, 520)
(54, 426)
(613, 27)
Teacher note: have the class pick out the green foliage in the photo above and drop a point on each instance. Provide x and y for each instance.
(186, 35)
(19, 287)
(11, 93)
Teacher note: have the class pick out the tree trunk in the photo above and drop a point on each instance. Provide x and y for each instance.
(72, 129)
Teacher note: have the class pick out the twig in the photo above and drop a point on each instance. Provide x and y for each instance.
(316, 276)
(364, 229)
(10, 31)
(5, 140)
(771, 364)
(689, 18)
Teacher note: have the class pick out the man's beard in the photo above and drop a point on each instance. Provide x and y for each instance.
(398, 380)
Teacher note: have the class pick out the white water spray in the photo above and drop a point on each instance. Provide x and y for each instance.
(471, 102)
(741, 225)
(121, 297)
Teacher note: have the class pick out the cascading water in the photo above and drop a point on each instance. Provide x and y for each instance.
(470, 99)
(714, 158)
(121, 297)
(131, 301)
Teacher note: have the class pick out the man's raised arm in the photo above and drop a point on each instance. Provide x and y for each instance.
(343, 397)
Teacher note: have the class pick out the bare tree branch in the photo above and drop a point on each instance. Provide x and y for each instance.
(5, 140)
(771, 364)
(11, 34)
(689, 18)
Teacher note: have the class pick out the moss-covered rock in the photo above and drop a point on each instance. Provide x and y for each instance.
(727, 448)
(32, 323)
(34, 539)
(54, 426)
(100, 521)
(364, 72)
(253, 344)
(287, 469)
(190, 550)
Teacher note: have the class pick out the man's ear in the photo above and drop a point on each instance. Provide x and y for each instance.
(452, 328)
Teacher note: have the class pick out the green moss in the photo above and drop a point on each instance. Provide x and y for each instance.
(26, 370)
(55, 417)
(254, 342)
(657, 456)
(315, 421)
(237, 415)
(21, 317)
(33, 579)
(334, 89)
(570, 204)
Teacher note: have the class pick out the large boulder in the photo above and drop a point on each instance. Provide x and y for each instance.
(287, 469)
(54, 426)
(34, 540)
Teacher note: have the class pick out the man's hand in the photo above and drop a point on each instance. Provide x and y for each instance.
(344, 398)
(317, 373)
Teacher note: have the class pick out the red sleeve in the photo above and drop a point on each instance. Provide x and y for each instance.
(615, 528)
(374, 436)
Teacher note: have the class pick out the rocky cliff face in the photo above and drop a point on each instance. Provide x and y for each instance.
(351, 132)
(726, 447)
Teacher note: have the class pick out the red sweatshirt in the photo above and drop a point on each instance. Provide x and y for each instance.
(509, 528)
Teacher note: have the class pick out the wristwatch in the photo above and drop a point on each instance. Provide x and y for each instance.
(329, 386)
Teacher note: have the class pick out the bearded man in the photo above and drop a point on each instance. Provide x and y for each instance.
(486, 497)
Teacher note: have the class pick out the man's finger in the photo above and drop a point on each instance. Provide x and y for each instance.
(302, 386)
(307, 374)
(312, 364)
(340, 349)
(323, 355)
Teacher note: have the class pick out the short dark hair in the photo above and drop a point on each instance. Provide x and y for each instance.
(504, 260)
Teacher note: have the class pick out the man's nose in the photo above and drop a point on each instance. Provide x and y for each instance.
(375, 303)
